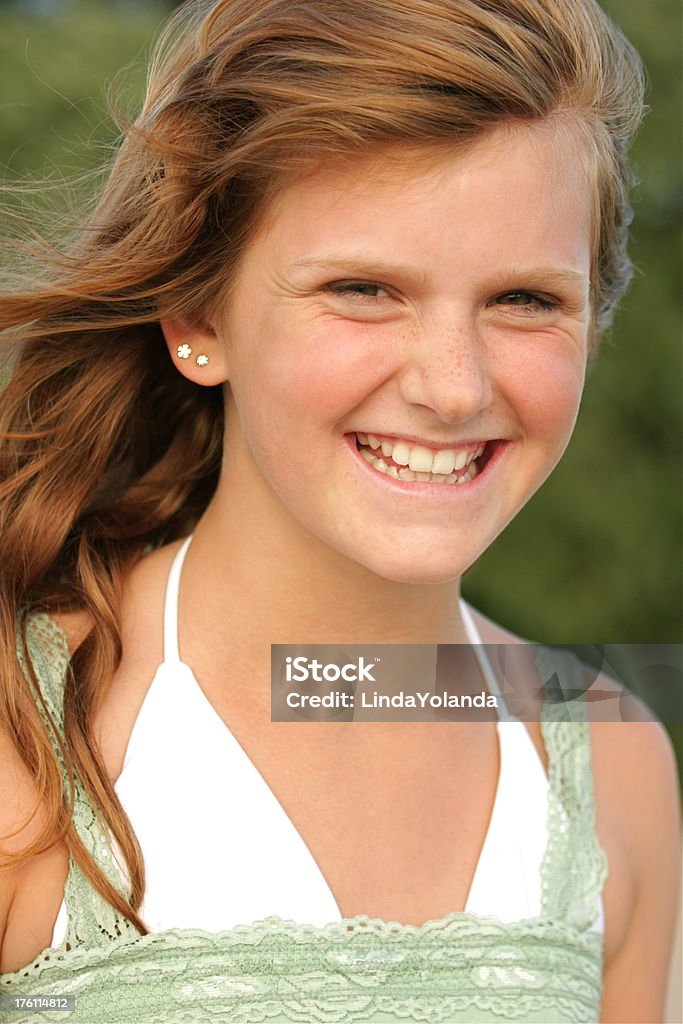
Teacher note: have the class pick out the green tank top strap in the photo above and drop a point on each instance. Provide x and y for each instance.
(49, 656)
(92, 921)
(575, 866)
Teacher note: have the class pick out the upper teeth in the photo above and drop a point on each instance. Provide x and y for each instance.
(421, 459)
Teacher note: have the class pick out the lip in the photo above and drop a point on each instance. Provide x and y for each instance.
(413, 439)
(437, 494)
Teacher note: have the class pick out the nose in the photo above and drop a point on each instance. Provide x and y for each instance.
(446, 369)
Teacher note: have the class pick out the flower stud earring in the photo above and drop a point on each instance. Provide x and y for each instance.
(184, 352)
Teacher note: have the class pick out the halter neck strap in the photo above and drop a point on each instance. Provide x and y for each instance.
(171, 651)
(171, 629)
(479, 648)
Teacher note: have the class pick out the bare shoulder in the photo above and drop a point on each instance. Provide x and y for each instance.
(638, 798)
(635, 765)
(634, 762)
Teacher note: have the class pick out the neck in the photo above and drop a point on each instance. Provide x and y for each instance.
(293, 588)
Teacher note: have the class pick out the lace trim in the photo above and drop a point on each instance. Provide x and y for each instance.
(575, 866)
(343, 971)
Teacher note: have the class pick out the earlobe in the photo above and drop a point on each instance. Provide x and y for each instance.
(196, 352)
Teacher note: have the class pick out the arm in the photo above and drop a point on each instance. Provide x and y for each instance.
(18, 797)
(30, 890)
(645, 776)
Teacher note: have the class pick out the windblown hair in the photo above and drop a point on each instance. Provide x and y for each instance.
(105, 449)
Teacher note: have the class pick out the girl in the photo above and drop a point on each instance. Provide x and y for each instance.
(323, 337)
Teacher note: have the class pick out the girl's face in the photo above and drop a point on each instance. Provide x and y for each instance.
(393, 311)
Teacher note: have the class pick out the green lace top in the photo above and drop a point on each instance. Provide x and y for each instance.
(459, 968)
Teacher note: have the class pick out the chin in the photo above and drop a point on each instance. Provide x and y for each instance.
(400, 567)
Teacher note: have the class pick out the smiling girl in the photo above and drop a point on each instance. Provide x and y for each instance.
(323, 337)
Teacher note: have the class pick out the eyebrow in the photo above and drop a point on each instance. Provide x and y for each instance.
(553, 276)
(362, 263)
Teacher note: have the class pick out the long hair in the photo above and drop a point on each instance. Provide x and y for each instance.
(105, 449)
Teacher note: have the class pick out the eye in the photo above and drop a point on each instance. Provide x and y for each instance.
(527, 302)
(363, 290)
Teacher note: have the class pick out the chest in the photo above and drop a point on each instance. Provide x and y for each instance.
(394, 822)
(393, 815)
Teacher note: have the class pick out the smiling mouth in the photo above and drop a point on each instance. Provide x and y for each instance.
(413, 463)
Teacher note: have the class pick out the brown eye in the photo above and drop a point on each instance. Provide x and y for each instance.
(362, 289)
(524, 299)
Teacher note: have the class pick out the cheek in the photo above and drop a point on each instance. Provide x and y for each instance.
(314, 372)
(546, 392)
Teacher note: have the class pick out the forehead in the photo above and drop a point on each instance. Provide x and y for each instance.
(511, 192)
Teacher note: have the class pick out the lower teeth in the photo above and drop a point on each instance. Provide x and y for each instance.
(407, 474)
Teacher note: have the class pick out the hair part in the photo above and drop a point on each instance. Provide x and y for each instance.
(105, 449)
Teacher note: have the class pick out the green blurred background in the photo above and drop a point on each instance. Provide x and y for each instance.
(596, 557)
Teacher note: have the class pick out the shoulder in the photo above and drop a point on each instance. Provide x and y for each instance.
(638, 800)
(635, 777)
(635, 767)
(634, 763)
(637, 793)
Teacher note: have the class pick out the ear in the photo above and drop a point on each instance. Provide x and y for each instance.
(188, 344)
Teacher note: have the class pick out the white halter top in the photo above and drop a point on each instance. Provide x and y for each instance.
(218, 846)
